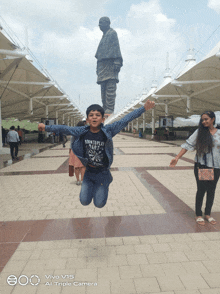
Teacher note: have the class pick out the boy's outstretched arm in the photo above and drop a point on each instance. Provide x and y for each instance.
(66, 130)
(117, 126)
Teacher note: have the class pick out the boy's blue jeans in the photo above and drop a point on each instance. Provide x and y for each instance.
(95, 186)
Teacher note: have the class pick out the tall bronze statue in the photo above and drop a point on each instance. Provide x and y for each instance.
(109, 63)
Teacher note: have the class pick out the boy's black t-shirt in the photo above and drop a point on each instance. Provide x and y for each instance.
(94, 149)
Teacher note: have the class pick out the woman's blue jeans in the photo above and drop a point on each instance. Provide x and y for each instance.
(95, 186)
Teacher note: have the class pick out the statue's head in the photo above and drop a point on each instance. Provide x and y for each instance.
(104, 23)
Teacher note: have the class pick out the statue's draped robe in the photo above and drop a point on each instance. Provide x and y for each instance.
(108, 55)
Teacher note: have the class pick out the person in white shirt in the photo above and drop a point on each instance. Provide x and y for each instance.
(13, 140)
(206, 141)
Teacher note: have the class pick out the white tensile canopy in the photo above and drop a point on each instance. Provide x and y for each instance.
(194, 90)
(28, 93)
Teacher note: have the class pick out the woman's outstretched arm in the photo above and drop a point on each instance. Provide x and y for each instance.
(175, 160)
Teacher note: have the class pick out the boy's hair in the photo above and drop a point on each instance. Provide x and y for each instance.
(94, 107)
(12, 128)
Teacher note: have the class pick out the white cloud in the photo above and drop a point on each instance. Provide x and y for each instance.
(149, 35)
(65, 33)
(77, 47)
(54, 15)
(215, 5)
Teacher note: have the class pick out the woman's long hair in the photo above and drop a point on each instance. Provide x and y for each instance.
(204, 141)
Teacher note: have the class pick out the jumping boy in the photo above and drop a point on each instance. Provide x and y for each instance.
(93, 145)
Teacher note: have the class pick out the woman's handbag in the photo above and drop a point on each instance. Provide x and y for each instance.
(206, 174)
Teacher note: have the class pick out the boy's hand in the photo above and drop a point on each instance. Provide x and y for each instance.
(149, 104)
(41, 127)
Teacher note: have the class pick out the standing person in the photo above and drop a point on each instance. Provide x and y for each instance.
(134, 132)
(3, 136)
(40, 137)
(93, 145)
(19, 131)
(206, 141)
(63, 139)
(13, 140)
(154, 135)
(109, 63)
(74, 162)
(166, 133)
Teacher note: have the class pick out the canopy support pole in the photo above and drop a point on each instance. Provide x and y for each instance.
(31, 106)
(166, 109)
(47, 111)
(188, 109)
(56, 117)
(137, 125)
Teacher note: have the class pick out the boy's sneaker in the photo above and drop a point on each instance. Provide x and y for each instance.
(78, 183)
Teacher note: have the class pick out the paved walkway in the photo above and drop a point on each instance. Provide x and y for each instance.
(145, 240)
(24, 150)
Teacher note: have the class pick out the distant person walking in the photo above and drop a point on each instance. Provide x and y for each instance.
(75, 165)
(206, 141)
(19, 131)
(13, 140)
(62, 139)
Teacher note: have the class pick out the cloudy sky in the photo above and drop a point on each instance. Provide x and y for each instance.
(64, 35)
